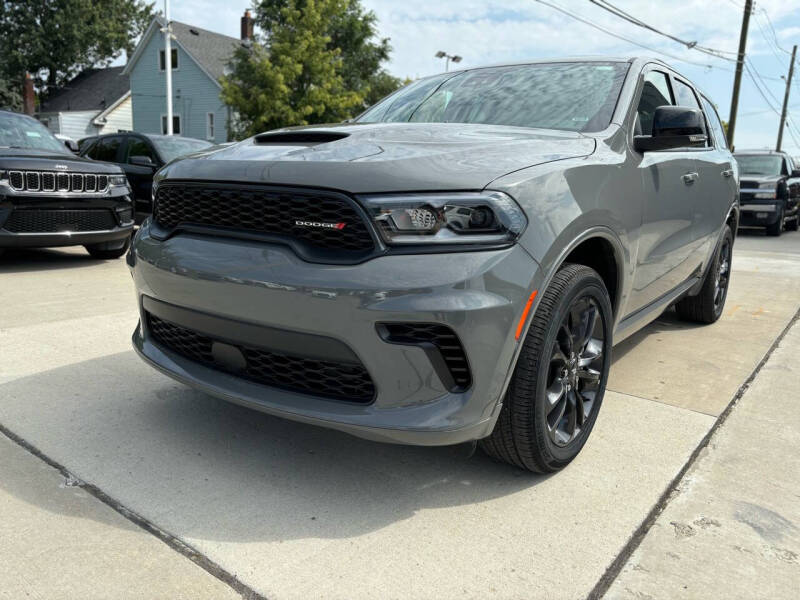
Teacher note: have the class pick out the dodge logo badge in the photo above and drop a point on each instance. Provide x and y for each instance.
(320, 224)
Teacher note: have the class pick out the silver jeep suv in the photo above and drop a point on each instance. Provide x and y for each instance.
(452, 266)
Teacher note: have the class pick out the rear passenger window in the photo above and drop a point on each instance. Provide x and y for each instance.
(138, 147)
(715, 124)
(655, 92)
(106, 149)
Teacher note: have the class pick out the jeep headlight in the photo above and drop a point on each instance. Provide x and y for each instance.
(446, 218)
(117, 180)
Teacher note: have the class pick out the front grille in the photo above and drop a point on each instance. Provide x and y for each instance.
(51, 181)
(339, 381)
(265, 210)
(34, 220)
(440, 343)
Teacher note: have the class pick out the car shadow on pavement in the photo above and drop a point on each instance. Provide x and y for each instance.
(668, 321)
(23, 260)
(204, 468)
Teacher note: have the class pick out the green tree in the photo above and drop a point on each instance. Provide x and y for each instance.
(353, 31)
(295, 77)
(10, 95)
(55, 39)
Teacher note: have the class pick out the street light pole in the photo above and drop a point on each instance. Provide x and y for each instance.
(448, 57)
(737, 79)
(168, 64)
(785, 101)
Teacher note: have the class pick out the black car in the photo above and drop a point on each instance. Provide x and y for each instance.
(769, 190)
(140, 155)
(50, 197)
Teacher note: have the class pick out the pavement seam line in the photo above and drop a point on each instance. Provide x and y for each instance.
(662, 403)
(615, 568)
(164, 536)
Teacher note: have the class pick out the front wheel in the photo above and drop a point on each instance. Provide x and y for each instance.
(777, 227)
(558, 384)
(109, 250)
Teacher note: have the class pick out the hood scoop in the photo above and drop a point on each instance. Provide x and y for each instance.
(299, 138)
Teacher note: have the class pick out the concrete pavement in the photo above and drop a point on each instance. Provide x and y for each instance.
(295, 511)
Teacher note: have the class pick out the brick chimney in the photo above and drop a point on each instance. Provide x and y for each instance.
(247, 26)
(28, 96)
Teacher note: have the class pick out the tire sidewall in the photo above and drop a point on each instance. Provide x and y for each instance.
(592, 286)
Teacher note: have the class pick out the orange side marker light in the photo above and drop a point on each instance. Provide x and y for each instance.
(525, 314)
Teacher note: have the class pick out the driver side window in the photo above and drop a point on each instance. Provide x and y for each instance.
(655, 92)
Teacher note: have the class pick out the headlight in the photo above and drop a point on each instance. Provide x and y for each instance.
(117, 180)
(454, 218)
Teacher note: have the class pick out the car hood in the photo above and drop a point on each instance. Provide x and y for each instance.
(12, 159)
(383, 157)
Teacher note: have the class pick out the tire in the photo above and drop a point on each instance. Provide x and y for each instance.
(707, 306)
(795, 224)
(523, 435)
(777, 227)
(109, 250)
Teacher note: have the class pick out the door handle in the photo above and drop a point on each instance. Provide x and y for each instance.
(727, 173)
(689, 178)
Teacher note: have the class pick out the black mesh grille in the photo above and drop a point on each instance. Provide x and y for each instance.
(102, 182)
(63, 181)
(32, 180)
(439, 336)
(24, 220)
(90, 183)
(267, 211)
(77, 182)
(48, 182)
(340, 381)
(16, 179)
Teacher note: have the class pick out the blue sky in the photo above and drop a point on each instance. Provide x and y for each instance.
(485, 32)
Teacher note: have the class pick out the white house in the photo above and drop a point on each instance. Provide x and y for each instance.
(94, 102)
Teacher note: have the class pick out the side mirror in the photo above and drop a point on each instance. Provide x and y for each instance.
(796, 173)
(673, 127)
(142, 161)
(72, 146)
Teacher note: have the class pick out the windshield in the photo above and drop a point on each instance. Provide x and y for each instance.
(566, 96)
(20, 131)
(173, 147)
(760, 164)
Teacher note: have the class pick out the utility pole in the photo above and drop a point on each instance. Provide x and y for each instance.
(737, 80)
(168, 64)
(785, 101)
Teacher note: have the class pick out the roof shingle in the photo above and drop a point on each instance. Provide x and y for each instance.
(93, 89)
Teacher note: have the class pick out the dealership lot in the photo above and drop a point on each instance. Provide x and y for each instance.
(294, 511)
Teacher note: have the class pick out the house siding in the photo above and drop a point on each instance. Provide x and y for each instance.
(76, 124)
(119, 119)
(194, 95)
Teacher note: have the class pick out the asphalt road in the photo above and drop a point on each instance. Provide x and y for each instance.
(226, 500)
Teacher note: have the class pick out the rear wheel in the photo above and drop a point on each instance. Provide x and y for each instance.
(777, 227)
(558, 384)
(109, 250)
(706, 307)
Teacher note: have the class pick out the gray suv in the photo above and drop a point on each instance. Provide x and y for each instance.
(454, 265)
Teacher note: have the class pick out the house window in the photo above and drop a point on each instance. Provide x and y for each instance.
(162, 59)
(210, 126)
(176, 124)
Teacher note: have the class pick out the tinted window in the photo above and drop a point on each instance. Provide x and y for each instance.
(684, 96)
(568, 96)
(106, 149)
(176, 124)
(715, 124)
(139, 147)
(20, 131)
(655, 93)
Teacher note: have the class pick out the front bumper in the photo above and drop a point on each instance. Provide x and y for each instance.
(49, 219)
(759, 215)
(479, 295)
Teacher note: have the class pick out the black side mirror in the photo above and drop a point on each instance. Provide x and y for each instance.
(796, 173)
(72, 146)
(674, 127)
(142, 161)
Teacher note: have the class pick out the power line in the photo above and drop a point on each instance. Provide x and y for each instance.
(623, 38)
(691, 45)
(774, 35)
